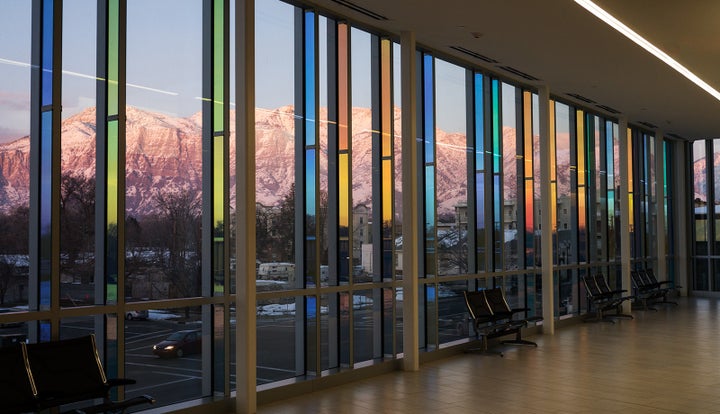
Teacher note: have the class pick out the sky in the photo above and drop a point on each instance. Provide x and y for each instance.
(163, 64)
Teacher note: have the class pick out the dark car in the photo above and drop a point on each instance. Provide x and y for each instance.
(178, 344)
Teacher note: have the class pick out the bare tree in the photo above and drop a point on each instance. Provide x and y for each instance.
(179, 217)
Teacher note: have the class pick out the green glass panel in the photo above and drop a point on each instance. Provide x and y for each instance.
(218, 65)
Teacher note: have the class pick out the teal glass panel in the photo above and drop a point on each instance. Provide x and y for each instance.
(429, 108)
(496, 127)
(430, 263)
(479, 124)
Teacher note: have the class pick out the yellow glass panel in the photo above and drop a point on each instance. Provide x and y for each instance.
(387, 190)
(344, 190)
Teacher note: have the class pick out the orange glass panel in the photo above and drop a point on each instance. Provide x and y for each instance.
(386, 97)
(553, 146)
(527, 137)
(580, 137)
(343, 86)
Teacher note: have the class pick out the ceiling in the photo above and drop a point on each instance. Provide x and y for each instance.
(563, 46)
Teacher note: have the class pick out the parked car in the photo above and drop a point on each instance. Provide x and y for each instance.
(179, 343)
(136, 314)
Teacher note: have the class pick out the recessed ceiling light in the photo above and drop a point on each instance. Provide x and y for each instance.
(642, 42)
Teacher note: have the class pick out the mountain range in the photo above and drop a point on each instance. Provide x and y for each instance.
(165, 152)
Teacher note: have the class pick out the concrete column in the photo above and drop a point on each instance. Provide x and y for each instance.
(246, 333)
(547, 204)
(411, 201)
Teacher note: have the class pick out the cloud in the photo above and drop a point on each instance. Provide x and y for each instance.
(14, 101)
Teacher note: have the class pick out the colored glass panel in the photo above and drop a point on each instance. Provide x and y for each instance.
(112, 54)
(45, 207)
(429, 108)
(310, 183)
(218, 64)
(430, 201)
(111, 254)
(479, 124)
(528, 174)
(386, 97)
(47, 52)
(310, 72)
(387, 192)
(218, 182)
(480, 219)
(630, 189)
(496, 127)
(343, 87)
(344, 190)
(112, 173)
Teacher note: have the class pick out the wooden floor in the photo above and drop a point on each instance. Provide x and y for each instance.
(661, 362)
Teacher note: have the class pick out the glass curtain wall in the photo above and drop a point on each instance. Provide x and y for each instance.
(131, 215)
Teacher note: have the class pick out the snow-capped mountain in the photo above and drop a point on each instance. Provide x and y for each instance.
(165, 152)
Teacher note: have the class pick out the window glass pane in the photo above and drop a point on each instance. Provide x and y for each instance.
(362, 191)
(564, 192)
(275, 145)
(163, 353)
(164, 149)
(397, 142)
(77, 186)
(452, 312)
(510, 153)
(451, 182)
(700, 198)
(364, 325)
(15, 24)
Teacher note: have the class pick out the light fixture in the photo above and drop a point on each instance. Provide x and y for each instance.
(642, 42)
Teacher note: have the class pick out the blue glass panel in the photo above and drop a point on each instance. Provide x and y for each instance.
(310, 187)
(310, 115)
(45, 207)
(45, 171)
(47, 52)
(479, 123)
(311, 312)
(480, 199)
(45, 333)
(429, 108)
(430, 293)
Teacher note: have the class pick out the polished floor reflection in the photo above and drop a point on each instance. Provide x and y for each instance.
(661, 362)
